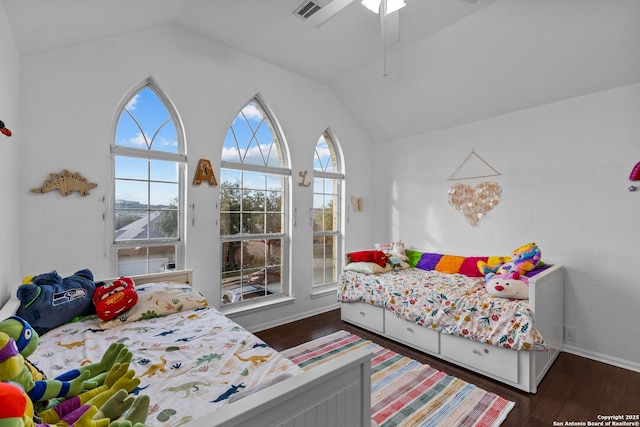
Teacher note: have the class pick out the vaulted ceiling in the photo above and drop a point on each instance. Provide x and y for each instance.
(456, 61)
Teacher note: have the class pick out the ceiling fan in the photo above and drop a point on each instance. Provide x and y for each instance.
(317, 12)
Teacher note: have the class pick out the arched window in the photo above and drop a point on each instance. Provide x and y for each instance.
(148, 157)
(253, 207)
(328, 180)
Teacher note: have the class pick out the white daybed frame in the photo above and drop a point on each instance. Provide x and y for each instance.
(337, 392)
(521, 369)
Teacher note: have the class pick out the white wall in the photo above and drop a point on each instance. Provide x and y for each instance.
(70, 100)
(9, 164)
(565, 169)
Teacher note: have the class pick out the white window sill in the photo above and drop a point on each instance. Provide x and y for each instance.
(245, 308)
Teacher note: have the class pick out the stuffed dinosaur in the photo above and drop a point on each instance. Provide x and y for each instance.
(88, 408)
(16, 410)
(66, 385)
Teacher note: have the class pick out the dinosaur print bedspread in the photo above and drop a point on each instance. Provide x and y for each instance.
(450, 303)
(189, 363)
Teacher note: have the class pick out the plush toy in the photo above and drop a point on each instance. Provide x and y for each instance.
(16, 410)
(522, 260)
(115, 297)
(378, 257)
(11, 361)
(115, 380)
(70, 384)
(48, 300)
(508, 285)
(398, 251)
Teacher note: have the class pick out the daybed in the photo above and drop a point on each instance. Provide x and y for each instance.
(194, 362)
(451, 316)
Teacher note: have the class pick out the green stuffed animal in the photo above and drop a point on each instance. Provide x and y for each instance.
(93, 407)
(69, 384)
(11, 361)
(16, 410)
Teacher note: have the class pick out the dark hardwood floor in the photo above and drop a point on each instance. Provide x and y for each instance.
(575, 389)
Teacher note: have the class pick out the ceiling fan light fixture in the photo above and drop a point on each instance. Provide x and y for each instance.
(391, 5)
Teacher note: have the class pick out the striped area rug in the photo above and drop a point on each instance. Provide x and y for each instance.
(405, 392)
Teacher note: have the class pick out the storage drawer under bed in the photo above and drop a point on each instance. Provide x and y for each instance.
(493, 360)
(365, 315)
(416, 336)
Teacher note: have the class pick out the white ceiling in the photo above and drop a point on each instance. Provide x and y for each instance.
(266, 29)
(346, 52)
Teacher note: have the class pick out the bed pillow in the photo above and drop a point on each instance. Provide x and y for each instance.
(449, 264)
(428, 261)
(159, 299)
(367, 267)
(378, 257)
(469, 266)
(452, 264)
(414, 257)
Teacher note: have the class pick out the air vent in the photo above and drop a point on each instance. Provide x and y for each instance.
(306, 9)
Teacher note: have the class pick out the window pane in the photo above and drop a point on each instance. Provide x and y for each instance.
(133, 194)
(229, 223)
(144, 260)
(145, 123)
(324, 260)
(131, 168)
(253, 201)
(164, 224)
(253, 223)
(251, 269)
(251, 139)
(274, 223)
(325, 158)
(255, 180)
(131, 224)
(163, 171)
(163, 194)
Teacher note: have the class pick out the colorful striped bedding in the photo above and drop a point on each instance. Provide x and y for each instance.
(453, 304)
(189, 363)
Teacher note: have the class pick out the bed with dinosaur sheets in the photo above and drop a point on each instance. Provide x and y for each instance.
(500, 316)
(169, 359)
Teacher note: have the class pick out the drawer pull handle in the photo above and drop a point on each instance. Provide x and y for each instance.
(409, 330)
(476, 351)
(362, 313)
(486, 351)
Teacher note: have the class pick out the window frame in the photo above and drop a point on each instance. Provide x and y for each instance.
(180, 158)
(284, 170)
(339, 177)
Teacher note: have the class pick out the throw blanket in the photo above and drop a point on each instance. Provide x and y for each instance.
(453, 304)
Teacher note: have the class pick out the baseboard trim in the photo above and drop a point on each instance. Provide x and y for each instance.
(298, 316)
(599, 357)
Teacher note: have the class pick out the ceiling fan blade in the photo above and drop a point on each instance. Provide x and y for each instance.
(390, 28)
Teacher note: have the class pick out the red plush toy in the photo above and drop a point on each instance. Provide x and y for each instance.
(113, 298)
(378, 257)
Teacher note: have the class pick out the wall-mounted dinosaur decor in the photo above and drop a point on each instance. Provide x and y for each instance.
(66, 182)
(4, 130)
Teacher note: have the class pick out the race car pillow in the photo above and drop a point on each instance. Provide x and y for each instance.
(114, 297)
